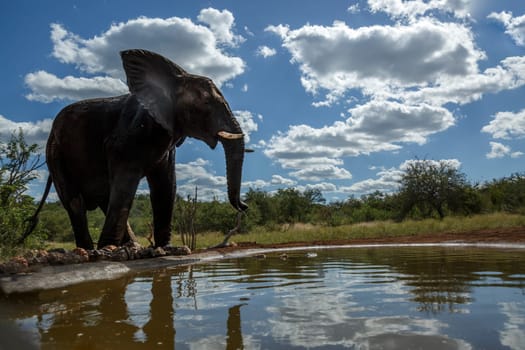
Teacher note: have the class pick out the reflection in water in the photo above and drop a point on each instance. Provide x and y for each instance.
(234, 336)
(431, 298)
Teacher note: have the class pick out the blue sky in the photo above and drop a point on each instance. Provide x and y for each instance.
(335, 95)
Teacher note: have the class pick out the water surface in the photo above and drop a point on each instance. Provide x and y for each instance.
(359, 298)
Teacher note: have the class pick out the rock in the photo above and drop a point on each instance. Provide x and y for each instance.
(159, 252)
(35, 256)
(170, 250)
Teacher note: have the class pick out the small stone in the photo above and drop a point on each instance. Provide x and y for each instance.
(110, 247)
(15, 265)
(20, 260)
(35, 256)
(159, 252)
(55, 257)
(120, 254)
(170, 250)
(80, 251)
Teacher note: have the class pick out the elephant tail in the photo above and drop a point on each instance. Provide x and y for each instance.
(33, 220)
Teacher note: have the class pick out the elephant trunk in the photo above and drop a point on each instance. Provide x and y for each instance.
(234, 154)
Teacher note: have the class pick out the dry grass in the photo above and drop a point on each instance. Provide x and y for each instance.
(310, 233)
(379, 229)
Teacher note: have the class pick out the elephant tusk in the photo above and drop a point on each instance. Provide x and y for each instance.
(229, 135)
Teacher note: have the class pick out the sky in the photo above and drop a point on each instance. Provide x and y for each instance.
(332, 95)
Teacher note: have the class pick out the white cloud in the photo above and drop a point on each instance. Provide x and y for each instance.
(514, 26)
(506, 125)
(413, 8)
(386, 182)
(373, 127)
(266, 51)
(319, 172)
(221, 24)
(280, 180)
(339, 58)
(200, 49)
(47, 87)
(354, 8)
(509, 74)
(255, 184)
(499, 150)
(197, 173)
(247, 121)
(34, 132)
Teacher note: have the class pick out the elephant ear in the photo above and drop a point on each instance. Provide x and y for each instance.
(153, 79)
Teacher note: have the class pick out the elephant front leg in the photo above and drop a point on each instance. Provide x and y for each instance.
(162, 187)
(123, 189)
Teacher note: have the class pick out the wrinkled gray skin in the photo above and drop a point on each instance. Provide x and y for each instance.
(99, 149)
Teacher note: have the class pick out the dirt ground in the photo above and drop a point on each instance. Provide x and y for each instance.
(500, 235)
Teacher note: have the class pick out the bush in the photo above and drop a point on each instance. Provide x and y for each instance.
(18, 164)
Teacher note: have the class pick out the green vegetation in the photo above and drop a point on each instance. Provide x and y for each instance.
(18, 164)
(377, 229)
(433, 196)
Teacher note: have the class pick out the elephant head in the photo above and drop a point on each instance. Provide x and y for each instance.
(187, 105)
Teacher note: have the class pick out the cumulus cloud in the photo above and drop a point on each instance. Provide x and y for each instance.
(387, 181)
(47, 87)
(199, 48)
(413, 8)
(321, 186)
(318, 172)
(197, 174)
(280, 180)
(499, 150)
(514, 26)
(376, 126)
(247, 121)
(339, 58)
(266, 51)
(34, 132)
(353, 8)
(506, 125)
(508, 74)
(221, 24)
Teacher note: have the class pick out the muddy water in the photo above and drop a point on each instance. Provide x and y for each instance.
(360, 298)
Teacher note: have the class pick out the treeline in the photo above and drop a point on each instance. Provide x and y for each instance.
(428, 189)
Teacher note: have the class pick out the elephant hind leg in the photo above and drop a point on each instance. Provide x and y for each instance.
(70, 197)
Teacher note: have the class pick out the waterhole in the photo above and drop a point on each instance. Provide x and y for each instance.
(358, 298)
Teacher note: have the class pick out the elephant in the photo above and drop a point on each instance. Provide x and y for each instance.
(99, 149)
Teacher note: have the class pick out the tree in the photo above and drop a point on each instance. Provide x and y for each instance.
(431, 186)
(18, 164)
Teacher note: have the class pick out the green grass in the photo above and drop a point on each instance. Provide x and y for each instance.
(311, 233)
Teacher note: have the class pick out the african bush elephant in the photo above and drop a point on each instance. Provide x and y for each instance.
(99, 149)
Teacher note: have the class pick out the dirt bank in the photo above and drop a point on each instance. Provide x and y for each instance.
(500, 235)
